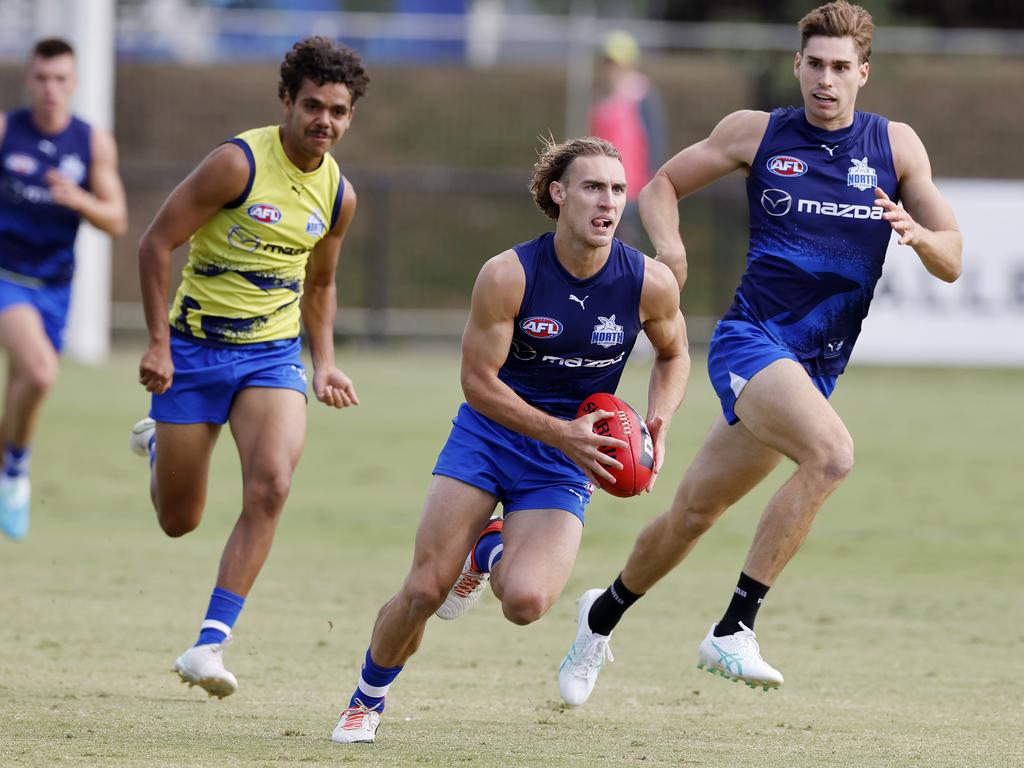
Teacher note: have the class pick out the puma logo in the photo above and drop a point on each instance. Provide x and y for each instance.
(829, 149)
(578, 300)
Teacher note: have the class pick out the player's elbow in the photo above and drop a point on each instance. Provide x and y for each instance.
(152, 249)
(119, 226)
(116, 224)
(952, 274)
(952, 266)
(474, 388)
(948, 271)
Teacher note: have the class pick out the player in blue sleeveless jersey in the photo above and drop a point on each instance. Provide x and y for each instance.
(551, 321)
(55, 170)
(265, 215)
(822, 182)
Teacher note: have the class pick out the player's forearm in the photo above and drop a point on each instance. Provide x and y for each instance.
(941, 252)
(154, 279)
(660, 214)
(667, 386)
(319, 307)
(489, 395)
(108, 215)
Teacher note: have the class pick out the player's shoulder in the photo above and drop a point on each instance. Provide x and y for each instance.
(503, 267)
(903, 134)
(230, 157)
(908, 152)
(743, 123)
(501, 282)
(658, 278)
(738, 135)
(348, 193)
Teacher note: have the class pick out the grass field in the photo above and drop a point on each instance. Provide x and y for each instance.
(898, 626)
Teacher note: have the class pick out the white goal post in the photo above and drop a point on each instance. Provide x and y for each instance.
(89, 26)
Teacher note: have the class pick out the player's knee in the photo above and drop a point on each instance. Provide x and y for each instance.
(177, 526)
(524, 606)
(834, 461)
(423, 595)
(41, 375)
(693, 518)
(269, 491)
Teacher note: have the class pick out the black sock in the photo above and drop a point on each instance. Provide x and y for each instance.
(743, 607)
(609, 607)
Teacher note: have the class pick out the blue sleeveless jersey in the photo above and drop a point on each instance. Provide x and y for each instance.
(817, 242)
(37, 236)
(572, 337)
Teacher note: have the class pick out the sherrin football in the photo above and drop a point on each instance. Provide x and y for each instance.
(638, 460)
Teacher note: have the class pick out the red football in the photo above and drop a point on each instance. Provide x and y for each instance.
(638, 460)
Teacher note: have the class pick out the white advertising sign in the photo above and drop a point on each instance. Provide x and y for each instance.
(917, 319)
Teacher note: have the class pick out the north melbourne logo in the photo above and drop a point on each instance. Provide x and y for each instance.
(315, 225)
(606, 333)
(776, 202)
(861, 175)
(72, 167)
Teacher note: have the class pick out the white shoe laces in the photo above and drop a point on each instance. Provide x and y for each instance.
(747, 638)
(590, 661)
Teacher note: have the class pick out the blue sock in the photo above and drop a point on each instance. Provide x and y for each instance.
(220, 616)
(16, 460)
(488, 551)
(373, 685)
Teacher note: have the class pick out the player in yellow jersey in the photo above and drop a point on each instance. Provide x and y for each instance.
(265, 214)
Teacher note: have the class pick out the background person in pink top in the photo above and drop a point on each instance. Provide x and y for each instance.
(628, 113)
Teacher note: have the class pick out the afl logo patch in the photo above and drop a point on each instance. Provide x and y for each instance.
(263, 213)
(787, 166)
(21, 164)
(541, 327)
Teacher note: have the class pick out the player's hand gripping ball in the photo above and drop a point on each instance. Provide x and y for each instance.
(638, 460)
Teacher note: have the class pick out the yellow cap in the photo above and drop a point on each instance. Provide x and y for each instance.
(621, 47)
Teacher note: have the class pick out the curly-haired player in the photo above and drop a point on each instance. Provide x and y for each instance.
(265, 214)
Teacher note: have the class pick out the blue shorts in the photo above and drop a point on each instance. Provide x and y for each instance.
(50, 301)
(207, 378)
(738, 351)
(522, 472)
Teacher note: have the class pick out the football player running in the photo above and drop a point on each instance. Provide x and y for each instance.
(55, 170)
(551, 321)
(822, 186)
(265, 215)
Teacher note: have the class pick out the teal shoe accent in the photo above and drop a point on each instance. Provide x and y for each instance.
(14, 507)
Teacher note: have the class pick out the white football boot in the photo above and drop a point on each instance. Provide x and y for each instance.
(203, 665)
(471, 583)
(578, 673)
(737, 657)
(15, 493)
(357, 725)
(138, 441)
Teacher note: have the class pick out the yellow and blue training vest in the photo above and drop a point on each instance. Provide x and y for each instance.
(243, 280)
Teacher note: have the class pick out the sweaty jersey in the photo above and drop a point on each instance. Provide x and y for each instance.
(246, 265)
(37, 236)
(817, 241)
(572, 336)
